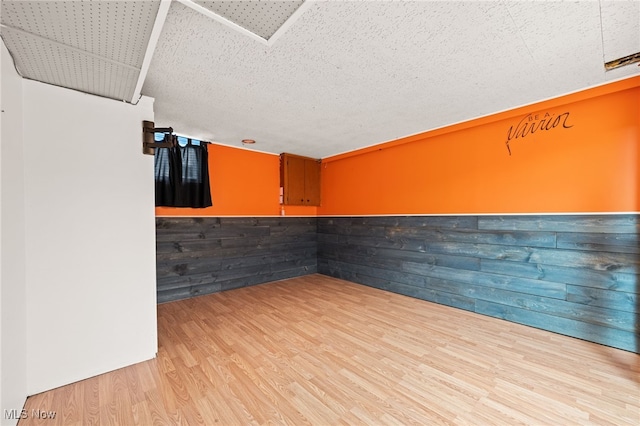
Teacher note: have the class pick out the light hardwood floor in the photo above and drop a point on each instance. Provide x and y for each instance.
(321, 351)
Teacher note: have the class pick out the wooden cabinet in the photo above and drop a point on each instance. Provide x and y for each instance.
(300, 180)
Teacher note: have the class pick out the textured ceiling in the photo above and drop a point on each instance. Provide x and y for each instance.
(621, 23)
(354, 74)
(340, 76)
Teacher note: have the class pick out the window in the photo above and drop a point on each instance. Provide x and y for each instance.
(182, 172)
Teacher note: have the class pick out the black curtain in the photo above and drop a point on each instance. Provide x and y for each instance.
(182, 175)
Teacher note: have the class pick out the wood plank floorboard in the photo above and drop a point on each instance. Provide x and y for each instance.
(317, 350)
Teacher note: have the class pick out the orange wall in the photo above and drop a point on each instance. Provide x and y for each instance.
(243, 183)
(464, 168)
(591, 165)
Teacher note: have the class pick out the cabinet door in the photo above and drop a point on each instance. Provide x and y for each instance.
(294, 180)
(300, 179)
(312, 182)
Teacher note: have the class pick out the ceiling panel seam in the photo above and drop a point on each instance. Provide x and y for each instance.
(604, 52)
(521, 37)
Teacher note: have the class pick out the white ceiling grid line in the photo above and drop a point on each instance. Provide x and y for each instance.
(161, 16)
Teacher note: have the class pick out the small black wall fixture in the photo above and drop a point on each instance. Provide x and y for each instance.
(148, 137)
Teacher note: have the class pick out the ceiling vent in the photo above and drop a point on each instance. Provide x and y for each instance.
(263, 21)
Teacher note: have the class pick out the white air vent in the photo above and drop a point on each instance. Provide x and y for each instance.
(93, 46)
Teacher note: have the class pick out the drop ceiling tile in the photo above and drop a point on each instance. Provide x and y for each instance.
(46, 61)
(117, 30)
(93, 46)
(262, 18)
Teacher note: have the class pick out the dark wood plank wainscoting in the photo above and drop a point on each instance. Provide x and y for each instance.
(197, 256)
(572, 274)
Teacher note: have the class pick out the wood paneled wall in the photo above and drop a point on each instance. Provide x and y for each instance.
(572, 274)
(197, 256)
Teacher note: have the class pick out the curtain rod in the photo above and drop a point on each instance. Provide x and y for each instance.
(148, 140)
(149, 144)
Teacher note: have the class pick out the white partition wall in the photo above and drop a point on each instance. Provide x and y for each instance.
(90, 235)
(13, 318)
